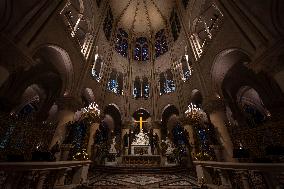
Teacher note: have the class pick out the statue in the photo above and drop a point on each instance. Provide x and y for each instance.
(126, 140)
(156, 143)
(54, 149)
(141, 139)
(112, 149)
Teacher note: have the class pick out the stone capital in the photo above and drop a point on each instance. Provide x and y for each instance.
(214, 105)
(69, 103)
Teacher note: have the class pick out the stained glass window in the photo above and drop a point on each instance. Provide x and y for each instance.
(167, 84)
(175, 25)
(146, 88)
(97, 69)
(137, 88)
(141, 88)
(112, 85)
(120, 83)
(115, 82)
(161, 45)
(121, 45)
(108, 24)
(186, 68)
(141, 50)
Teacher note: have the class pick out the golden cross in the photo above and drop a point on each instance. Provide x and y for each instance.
(140, 122)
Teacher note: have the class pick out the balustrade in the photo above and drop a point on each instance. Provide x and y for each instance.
(42, 175)
(230, 175)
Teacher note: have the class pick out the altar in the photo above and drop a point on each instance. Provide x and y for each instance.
(140, 150)
(144, 160)
(141, 153)
(141, 144)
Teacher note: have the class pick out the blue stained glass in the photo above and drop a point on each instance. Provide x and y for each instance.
(161, 45)
(121, 45)
(167, 84)
(115, 82)
(146, 91)
(141, 51)
(135, 92)
(96, 70)
(112, 85)
(170, 86)
(187, 74)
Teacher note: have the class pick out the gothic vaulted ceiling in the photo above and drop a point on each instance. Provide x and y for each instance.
(142, 17)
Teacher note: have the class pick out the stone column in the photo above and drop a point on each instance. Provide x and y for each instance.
(217, 114)
(190, 130)
(93, 130)
(158, 131)
(66, 110)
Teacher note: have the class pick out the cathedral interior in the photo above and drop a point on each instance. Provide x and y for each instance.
(182, 94)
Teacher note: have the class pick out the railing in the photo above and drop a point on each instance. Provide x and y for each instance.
(229, 175)
(43, 175)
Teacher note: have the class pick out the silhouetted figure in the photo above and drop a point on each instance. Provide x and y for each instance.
(54, 149)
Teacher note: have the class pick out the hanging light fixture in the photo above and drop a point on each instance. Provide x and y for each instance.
(193, 113)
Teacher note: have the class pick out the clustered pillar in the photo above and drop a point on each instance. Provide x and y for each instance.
(66, 111)
(217, 114)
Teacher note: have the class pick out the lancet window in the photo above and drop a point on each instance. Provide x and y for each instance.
(121, 45)
(184, 67)
(146, 88)
(161, 45)
(115, 82)
(108, 22)
(167, 84)
(141, 50)
(141, 88)
(97, 70)
(206, 26)
(175, 25)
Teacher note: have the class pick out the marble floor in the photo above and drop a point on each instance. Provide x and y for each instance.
(142, 181)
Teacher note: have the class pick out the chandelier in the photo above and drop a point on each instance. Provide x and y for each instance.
(193, 113)
(91, 112)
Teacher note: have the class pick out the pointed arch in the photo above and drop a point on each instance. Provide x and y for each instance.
(61, 61)
(223, 62)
